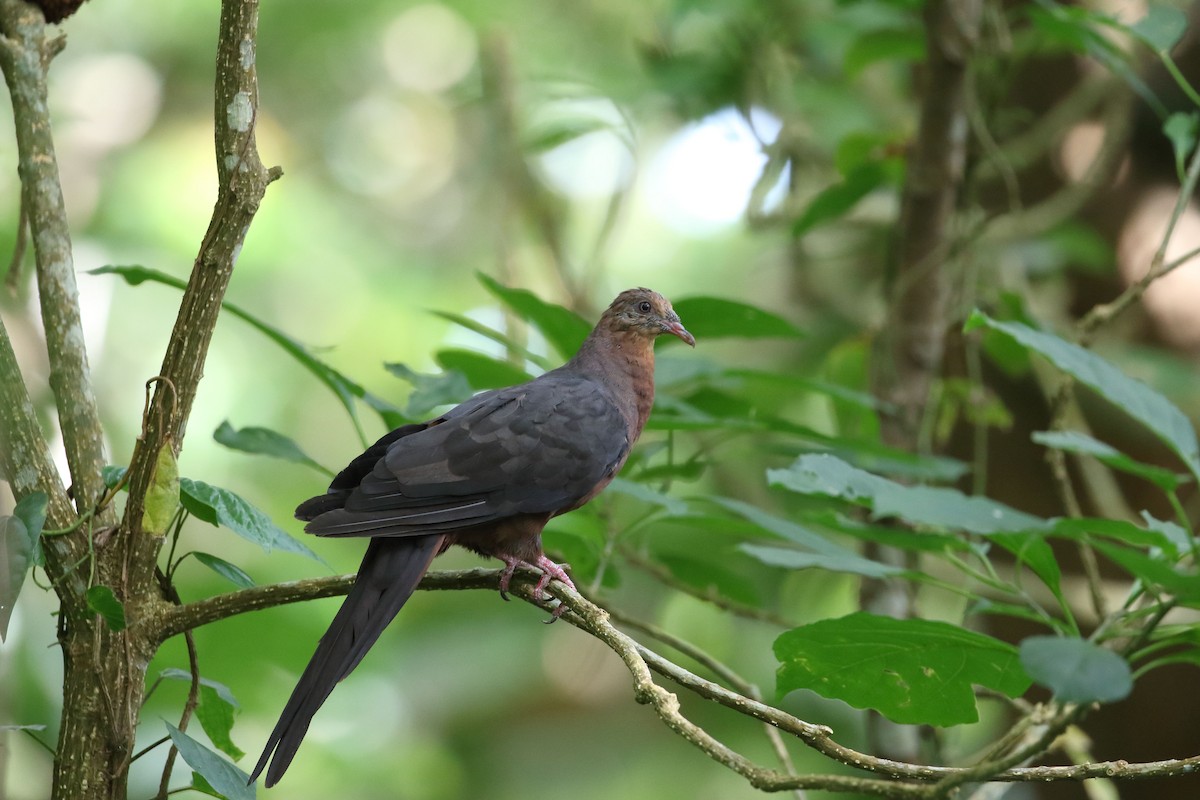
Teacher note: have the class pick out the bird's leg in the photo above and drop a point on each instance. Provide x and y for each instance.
(510, 566)
(550, 570)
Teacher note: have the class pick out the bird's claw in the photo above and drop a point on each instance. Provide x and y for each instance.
(550, 571)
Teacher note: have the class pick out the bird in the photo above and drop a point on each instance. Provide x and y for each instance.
(486, 475)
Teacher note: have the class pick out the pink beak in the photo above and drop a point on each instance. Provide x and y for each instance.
(675, 328)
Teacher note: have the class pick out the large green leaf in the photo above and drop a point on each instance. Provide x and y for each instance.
(912, 671)
(264, 442)
(230, 572)
(220, 774)
(222, 507)
(345, 389)
(1076, 442)
(1076, 670)
(794, 559)
(564, 329)
(821, 474)
(716, 317)
(1137, 399)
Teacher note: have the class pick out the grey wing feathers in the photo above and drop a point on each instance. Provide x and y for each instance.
(533, 448)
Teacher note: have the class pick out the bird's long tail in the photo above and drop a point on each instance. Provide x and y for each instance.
(390, 572)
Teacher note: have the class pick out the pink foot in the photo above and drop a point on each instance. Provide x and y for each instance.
(550, 571)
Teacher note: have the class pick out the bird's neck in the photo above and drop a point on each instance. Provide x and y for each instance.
(625, 363)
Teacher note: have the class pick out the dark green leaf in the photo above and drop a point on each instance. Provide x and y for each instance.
(230, 572)
(835, 201)
(785, 529)
(716, 317)
(216, 718)
(431, 391)
(482, 371)
(102, 600)
(1154, 571)
(265, 442)
(201, 785)
(112, 475)
(912, 671)
(1076, 671)
(221, 775)
(1137, 399)
(1076, 442)
(564, 329)
(222, 507)
(1034, 551)
(923, 505)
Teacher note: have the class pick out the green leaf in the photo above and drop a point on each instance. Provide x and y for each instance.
(16, 556)
(1161, 28)
(216, 718)
(829, 476)
(1077, 671)
(1180, 128)
(1076, 442)
(431, 391)
(219, 506)
(223, 691)
(791, 558)
(1034, 551)
(558, 132)
(785, 529)
(230, 572)
(112, 475)
(264, 442)
(495, 336)
(221, 775)
(102, 600)
(716, 317)
(564, 329)
(894, 45)
(162, 496)
(912, 671)
(201, 785)
(345, 389)
(1155, 571)
(835, 201)
(1137, 399)
(482, 371)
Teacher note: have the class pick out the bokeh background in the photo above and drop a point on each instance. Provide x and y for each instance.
(574, 149)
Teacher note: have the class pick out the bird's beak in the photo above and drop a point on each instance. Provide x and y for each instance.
(675, 328)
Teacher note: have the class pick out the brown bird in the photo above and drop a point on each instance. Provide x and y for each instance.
(487, 475)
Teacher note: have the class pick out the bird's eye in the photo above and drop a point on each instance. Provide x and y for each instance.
(644, 307)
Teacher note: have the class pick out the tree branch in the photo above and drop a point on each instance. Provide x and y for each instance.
(242, 182)
(25, 56)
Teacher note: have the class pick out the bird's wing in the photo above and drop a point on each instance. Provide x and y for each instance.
(540, 447)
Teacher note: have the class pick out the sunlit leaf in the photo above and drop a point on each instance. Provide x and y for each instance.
(265, 442)
(1077, 671)
(221, 775)
(162, 495)
(563, 328)
(1144, 404)
(230, 572)
(222, 507)
(101, 600)
(913, 671)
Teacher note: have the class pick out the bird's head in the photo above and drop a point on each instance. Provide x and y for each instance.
(647, 313)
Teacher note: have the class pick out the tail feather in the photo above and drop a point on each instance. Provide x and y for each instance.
(390, 572)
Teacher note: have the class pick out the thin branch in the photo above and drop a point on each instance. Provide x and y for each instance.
(25, 56)
(242, 182)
